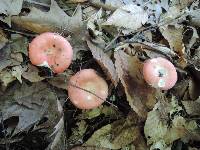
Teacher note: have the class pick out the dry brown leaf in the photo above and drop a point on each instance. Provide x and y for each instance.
(181, 88)
(192, 107)
(174, 35)
(139, 94)
(140, 143)
(3, 39)
(6, 77)
(31, 74)
(104, 61)
(39, 21)
(193, 89)
(157, 129)
(61, 80)
(115, 135)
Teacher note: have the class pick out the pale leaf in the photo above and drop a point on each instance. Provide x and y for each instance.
(128, 16)
(17, 72)
(157, 129)
(9, 8)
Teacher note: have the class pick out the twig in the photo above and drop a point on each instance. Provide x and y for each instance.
(71, 84)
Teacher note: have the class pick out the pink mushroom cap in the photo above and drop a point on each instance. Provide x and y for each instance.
(160, 73)
(51, 50)
(87, 79)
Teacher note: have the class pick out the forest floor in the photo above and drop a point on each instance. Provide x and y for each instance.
(115, 38)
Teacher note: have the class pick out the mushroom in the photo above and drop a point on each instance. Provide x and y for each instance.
(87, 90)
(51, 50)
(160, 73)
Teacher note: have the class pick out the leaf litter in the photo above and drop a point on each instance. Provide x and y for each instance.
(114, 37)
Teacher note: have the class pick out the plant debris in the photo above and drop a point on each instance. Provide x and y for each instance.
(115, 38)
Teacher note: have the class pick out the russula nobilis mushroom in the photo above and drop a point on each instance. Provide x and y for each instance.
(51, 50)
(160, 73)
(88, 80)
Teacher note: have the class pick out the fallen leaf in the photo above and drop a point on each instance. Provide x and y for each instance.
(181, 88)
(110, 112)
(17, 57)
(193, 89)
(116, 135)
(17, 72)
(104, 61)
(40, 21)
(107, 5)
(32, 74)
(174, 35)
(10, 8)
(3, 39)
(130, 16)
(6, 77)
(153, 49)
(192, 107)
(94, 26)
(5, 59)
(192, 40)
(61, 80)
(57, 136)
(30, 103)
(78, 133)
(88, 148)
(19, 44)
(194, 17)
(138, 93)
(78, 1)
(157, 127)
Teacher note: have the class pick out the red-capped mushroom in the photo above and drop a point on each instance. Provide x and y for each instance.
(51, 50)
(160, 73)
(87, 90)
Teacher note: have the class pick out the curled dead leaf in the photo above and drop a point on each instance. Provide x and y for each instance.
(53, 20)
(139, 95)
(174, 35)
(32, 74)
(104, 61)
(128, 15)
